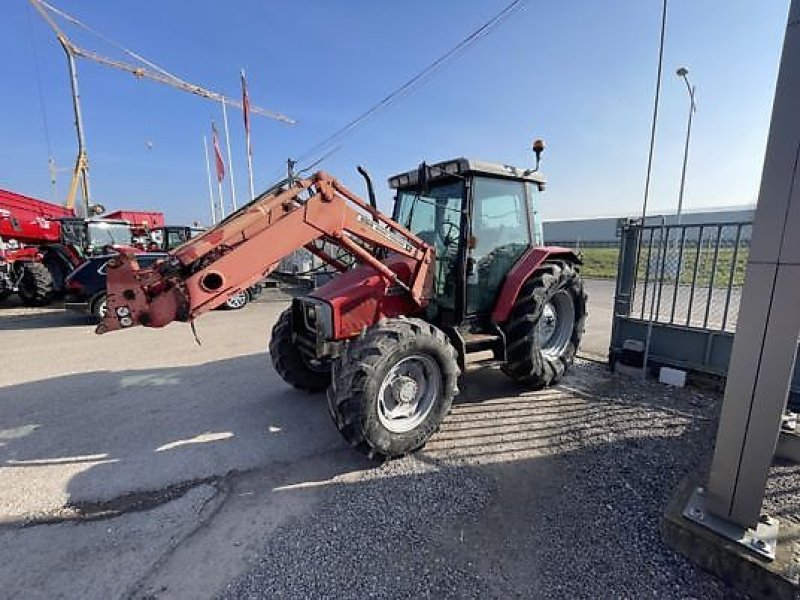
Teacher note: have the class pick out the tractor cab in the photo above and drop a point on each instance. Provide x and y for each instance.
(170, 237)
(95, 236)
(481, 218)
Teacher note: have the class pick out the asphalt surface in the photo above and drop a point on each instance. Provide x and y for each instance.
(139, 464)
(597, 336)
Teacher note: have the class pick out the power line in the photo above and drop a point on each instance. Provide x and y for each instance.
(418, 79)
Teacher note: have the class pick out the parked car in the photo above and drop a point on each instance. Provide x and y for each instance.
(86, 286)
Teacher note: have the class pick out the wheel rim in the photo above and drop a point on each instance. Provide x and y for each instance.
(237, 300)
(102, 308)
(409, 392)
(554, 329)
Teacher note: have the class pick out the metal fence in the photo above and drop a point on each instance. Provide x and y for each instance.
(680, 285)
(691, 275)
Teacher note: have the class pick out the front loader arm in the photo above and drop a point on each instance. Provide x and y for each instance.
(199, 275)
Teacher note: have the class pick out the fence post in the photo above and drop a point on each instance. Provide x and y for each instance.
(630, 230)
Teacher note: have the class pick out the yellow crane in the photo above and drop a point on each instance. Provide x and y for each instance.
(80, 173)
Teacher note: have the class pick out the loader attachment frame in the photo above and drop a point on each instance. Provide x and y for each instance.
(202, 273)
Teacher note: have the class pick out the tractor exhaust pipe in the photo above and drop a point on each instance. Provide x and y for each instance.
(370, 190)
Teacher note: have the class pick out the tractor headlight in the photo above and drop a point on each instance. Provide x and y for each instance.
(318, 317)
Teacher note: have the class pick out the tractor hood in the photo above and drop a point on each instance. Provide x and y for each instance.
(361, 297)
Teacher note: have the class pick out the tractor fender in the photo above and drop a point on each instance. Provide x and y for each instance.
(521, 271)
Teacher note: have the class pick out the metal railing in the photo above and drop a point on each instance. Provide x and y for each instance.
(690, 275)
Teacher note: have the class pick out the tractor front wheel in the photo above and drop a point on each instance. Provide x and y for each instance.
(393, 387)
(293, 367)
(546, 325)
(35, 286)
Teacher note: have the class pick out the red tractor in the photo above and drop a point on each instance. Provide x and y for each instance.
(454, 272)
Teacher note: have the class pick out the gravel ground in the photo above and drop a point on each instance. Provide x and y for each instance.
(555, 494)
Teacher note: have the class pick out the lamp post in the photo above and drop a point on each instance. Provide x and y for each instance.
(683, 73)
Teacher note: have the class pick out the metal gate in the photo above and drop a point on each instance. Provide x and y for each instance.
(682, 284)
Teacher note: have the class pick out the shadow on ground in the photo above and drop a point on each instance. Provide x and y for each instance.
(95, 436)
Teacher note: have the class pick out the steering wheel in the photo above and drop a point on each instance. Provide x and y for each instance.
(447, 229)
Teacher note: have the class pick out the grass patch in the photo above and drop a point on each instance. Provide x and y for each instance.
(601, 263)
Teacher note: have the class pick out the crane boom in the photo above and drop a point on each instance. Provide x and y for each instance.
(176, 82)
(158, 75)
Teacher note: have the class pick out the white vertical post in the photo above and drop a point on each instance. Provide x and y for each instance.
(228, 150)
(210, 186)
(765, 344)
(249, 146)
(221, 200)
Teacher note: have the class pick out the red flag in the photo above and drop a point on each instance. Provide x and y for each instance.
(245, 106)
(217, 153)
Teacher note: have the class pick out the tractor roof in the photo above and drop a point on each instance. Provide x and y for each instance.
(456, 166)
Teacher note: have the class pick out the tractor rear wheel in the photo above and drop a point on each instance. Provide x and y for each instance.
(546, 324)
(293, 367)
(57, 274)
(35, 285)
(393, 387)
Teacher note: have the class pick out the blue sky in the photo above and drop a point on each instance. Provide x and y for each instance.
(579, 73)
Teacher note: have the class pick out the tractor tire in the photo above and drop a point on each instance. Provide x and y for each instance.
(290, 364)
(393, 387)
(546, 324)
(57, 275)
(36, 284)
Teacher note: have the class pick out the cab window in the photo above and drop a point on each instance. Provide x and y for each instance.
(501, 234)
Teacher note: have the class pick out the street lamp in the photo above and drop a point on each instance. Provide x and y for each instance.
(683, 73)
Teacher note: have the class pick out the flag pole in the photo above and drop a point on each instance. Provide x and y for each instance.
(246, 110)
(228, 150)
(210, 187)
(220, 165)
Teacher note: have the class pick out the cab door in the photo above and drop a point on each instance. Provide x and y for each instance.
(500, 235)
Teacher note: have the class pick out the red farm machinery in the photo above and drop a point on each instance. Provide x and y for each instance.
(42, 242)
(455, 271)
